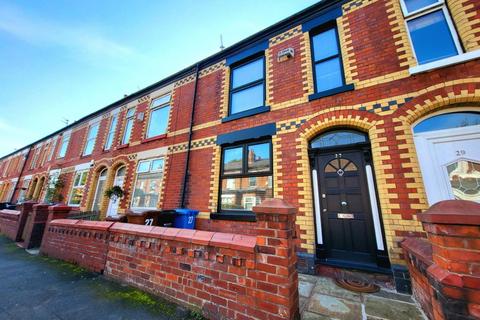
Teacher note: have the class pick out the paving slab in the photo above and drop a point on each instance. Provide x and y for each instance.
(36, 287)
(305, 288)
(328, 287)
(391, 309)
(334, 307)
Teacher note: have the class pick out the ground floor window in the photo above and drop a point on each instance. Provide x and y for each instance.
(78, 187)
(148, 184)
(246, 176)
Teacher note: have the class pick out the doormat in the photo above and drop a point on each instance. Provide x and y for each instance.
(357, 285)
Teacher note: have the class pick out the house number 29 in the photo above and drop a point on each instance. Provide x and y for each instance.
(460, 152)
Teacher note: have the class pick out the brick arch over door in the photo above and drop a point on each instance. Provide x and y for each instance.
(117, 164)
(460, 97)
(92, 184)
(361, 121)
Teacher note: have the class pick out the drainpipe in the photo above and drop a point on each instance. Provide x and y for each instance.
(21, 172)
(190, 133)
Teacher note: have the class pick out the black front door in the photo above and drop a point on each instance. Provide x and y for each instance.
(345, 210)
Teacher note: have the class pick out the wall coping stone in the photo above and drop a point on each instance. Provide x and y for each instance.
(421, 248)
(59, 207)
(452, 212)
(10, 212)
(274, 206)
(40, 206)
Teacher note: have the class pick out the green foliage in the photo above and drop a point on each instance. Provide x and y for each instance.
(54, 192)
(115, 191)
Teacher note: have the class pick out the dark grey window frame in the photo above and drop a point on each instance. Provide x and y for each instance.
(344, 87)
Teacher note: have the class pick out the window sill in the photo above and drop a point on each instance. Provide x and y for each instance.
(122, 146)
(159, 137)
(464, 57)
(246, 113)
(331, 92)
(234, 216)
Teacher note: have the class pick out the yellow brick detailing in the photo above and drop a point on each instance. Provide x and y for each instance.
(285, 36)
(195, 128)
(465, 23)
(225, 92)
(211, 69)
(346, 48)
(163, 182)
(91, 188)
(355, 5)
(196, 145)
(277, 174)
(269, 77)
(402, 42)
(307, 69)
(382, 79)
(184, 81)
(214, 179)
(305, 218)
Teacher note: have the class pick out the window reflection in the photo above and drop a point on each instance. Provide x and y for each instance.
(338, 138)
(245, 193)
(448, 121)
(464, 179)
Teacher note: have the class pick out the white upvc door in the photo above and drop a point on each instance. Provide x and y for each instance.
(450, 163)
(114, 201)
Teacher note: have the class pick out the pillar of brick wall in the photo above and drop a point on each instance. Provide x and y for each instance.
(276, 270)
(35, 226)
(25, 209)
(58, 211)
(453, 270)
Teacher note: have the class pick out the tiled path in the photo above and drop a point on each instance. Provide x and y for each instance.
(321, 298)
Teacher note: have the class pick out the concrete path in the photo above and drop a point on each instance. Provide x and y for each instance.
(321, 298)
(35, 287)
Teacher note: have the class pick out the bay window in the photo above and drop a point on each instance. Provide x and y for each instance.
(148, 184)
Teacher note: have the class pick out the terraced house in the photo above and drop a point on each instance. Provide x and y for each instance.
(361, 114)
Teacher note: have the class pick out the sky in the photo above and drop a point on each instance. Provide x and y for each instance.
(65, 59)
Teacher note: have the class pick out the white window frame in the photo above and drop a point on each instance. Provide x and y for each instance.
(80, 172)
(65, 140)
(146, 172)
(52, 148)
(35, 158)
(111, 132)
(153, 107)
(90, 139)
(23, 193)
(439, 5)
(128, 118)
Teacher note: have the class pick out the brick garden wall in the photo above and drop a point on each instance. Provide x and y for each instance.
(445, 269)
(226, 275)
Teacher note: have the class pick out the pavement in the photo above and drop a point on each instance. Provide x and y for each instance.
(321, 298)
(36, 287)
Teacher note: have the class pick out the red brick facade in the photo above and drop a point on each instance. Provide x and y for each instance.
(386, 101)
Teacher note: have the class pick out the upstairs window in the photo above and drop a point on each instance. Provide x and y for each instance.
(247, 86)
(328, 69)
(91, 138)
(158, 122)
(52, 149)
(246, 176)
(35, 158)
(128, 126)
(64, 146)
(111, 132)
(78, 188)
(431, 30)
(148, 185)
